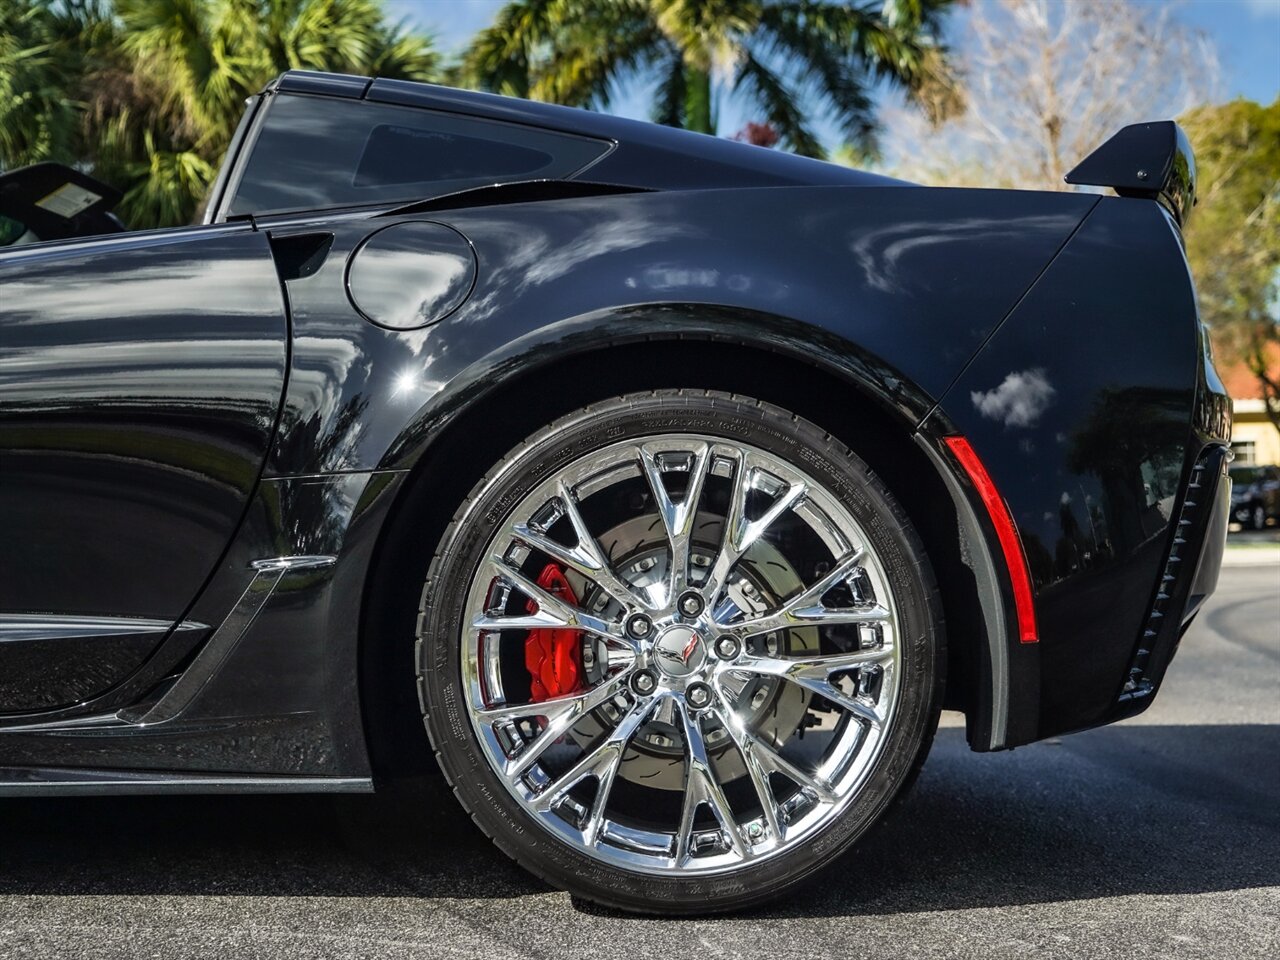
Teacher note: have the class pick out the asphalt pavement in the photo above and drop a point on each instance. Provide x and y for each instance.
(1158, 837)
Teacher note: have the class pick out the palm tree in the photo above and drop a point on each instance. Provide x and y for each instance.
(36, 118)
(198, 60)
(780, 55)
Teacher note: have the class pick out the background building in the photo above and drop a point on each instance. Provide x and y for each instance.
(1253, 437)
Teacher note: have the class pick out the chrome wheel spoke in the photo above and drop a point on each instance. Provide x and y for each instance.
(740, 534)
(601, 762)
(585, 557)
(701, 787)
(865, 710)
(861, 708)
(604, 787)
(818, 669)
(776, 763)
(807, 610)
(561, 713)
(815, 675)
(751, 750)
(677, 518)
(552, 611)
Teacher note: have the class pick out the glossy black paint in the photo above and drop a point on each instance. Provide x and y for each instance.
(179, 408)
(410, 274)
(309, 152)
(1082, 407)
(648, 155)
(285, 702)
(136, 409)
(640, 155)
(53, 661)
(894, 288)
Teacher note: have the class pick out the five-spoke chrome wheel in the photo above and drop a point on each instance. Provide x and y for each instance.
(679, 654)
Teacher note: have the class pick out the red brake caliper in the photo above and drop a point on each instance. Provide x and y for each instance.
(553, 655)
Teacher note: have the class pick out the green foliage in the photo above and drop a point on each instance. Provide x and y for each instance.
(36, 118)
(775, 53)
(147, 93)
(1233, 236)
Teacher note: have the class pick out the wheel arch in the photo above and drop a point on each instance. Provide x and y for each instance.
(861, 402)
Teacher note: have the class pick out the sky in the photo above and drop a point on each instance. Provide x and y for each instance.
(1245, 32)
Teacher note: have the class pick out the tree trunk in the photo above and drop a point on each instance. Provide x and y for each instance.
(1257, 362)
(697, 100)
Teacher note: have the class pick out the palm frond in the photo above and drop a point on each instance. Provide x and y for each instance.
(38, 119)
(400, 54)
(842, 46)
(589, 56)
(778, 105)
(827, 69)
(501, 56)
(562, 51)
(167, 187)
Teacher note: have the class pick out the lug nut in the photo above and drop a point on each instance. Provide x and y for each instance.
(639, 626)
(643, 683)
(698, 695)
(691, 604)
(727, 648)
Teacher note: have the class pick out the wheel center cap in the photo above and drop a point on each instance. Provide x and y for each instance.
(679, 651)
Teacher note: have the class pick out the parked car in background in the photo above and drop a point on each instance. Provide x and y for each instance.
(1255, 495)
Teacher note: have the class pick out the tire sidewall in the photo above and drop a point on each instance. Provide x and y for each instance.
(628, 418)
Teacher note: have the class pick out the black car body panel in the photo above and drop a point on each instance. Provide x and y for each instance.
(136, 412)
(1085, 407)
(212, 438)
(581, 274)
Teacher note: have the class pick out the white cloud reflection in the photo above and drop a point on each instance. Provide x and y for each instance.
(1019, 401)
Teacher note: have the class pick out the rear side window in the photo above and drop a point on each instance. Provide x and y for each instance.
(320, 152)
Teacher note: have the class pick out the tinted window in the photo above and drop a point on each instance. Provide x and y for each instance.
(318, 152)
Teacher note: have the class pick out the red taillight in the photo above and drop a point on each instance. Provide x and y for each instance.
(1006, 531)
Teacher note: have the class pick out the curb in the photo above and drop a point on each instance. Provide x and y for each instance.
(1250, 556)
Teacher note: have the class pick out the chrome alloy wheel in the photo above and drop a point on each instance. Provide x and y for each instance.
(691, 655)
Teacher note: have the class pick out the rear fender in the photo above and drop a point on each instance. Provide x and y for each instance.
(898, 286)
(1082, 409)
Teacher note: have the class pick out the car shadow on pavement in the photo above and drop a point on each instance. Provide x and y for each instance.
(1124, 810)
(1130, 809)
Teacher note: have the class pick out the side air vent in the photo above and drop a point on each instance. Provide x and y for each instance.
(1177, 569)
(300, 255)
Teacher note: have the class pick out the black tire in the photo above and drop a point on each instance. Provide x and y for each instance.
(483, 793)
(1257, 517)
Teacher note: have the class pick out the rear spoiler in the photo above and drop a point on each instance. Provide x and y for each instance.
(1149, 160)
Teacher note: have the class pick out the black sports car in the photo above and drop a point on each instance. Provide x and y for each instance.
(677, 483)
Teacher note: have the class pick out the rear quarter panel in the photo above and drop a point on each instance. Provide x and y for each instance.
(895, 287)
(1084, 407)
